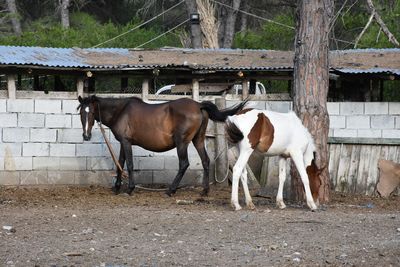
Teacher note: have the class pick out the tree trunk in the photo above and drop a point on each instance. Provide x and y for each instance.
(15, 20)
(230, 24)
(244, 17)
(311, 83)
(64, 7)
(195, 30)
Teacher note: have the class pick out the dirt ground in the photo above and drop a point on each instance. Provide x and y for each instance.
(90, 226)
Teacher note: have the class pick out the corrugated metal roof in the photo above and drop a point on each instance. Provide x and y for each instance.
(345, 61)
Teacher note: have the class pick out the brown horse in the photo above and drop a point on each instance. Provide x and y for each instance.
(155, 127)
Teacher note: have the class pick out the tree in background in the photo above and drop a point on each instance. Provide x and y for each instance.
(64, 11)
(311, 83)
(14, 15)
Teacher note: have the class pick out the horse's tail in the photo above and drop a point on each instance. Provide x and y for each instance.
(233, 133)
(221, 115)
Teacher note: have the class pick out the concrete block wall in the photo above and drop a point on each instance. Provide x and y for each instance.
(364, 120)
(41, 142)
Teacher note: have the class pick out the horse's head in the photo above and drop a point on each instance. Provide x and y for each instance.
(315, 181)
(87, 109)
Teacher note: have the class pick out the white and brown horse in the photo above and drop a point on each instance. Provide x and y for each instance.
(274, 134)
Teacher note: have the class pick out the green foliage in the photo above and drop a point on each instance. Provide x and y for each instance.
(85, 31)
(270, 36)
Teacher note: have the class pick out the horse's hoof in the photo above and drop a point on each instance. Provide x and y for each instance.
(204, 193)
(281, 205)
(169, 193)
(236, 207)
(116, 190)
(251, 206)
(130, 191)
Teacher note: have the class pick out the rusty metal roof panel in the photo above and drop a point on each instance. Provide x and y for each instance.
(346, 61)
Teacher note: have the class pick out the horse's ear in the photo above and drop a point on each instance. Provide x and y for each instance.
(80, 99)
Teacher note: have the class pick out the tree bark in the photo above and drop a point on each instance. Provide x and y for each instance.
(15, 19)
(230, 24)
(311, 83)
(244, 17)
(64, 7)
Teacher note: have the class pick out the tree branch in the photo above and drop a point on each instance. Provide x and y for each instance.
(383, 26)
(365, 29)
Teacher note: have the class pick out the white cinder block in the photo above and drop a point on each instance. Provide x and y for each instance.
(20, 105)
(62, 150)
(8, 150)
(70, 106)
(46, 163)
(76, 122)
(9, 178)
(171, 163)
(376, 108)
(394, 108)
(279, 106)
(99, 163)
(333, 108)
(69, 136)
(150, 163)
(73, 164)
(35, 149)
(351, 108)
(344, 133)
(358, 122)
(15, 134)
(61, 177)
(382, 122)
(391, 133)
(255, 104)
(3, 105)
(47, 106)
(43, 135)
(33, 177)
(30, 120)
(58, 121)
(337, 122)
(8, 120)
(369, 133)
(1, 164)
(91, 150)
(397, 124)
(18, 164)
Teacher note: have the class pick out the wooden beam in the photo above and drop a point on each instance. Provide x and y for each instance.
(221, 149)
(245, 89)
(145, 89)
(195, 90)
(11, 86)
(79, 86)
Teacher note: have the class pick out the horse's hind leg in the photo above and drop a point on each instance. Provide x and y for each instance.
(237, 173)
(129, 163)
(183, 165)
(249, 201)
(121, 161)
(282, 178)
(198, 142)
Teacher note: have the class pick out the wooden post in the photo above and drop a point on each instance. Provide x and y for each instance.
(245, 89)
(11, 86)
(195, 90)
(124, 84)
(221, 149)
(79, 86)
(145, 89)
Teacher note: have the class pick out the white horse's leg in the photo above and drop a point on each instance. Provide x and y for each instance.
(237, 172)
(282, 178)
(297, 158)
(249, 201)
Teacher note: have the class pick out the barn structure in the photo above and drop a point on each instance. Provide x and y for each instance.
(40, 130)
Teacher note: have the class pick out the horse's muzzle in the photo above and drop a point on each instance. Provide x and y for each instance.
(87, 137)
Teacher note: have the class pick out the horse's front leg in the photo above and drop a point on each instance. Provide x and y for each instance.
(129, 163)
(297, 158)
(183, 165)
(121, 160)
